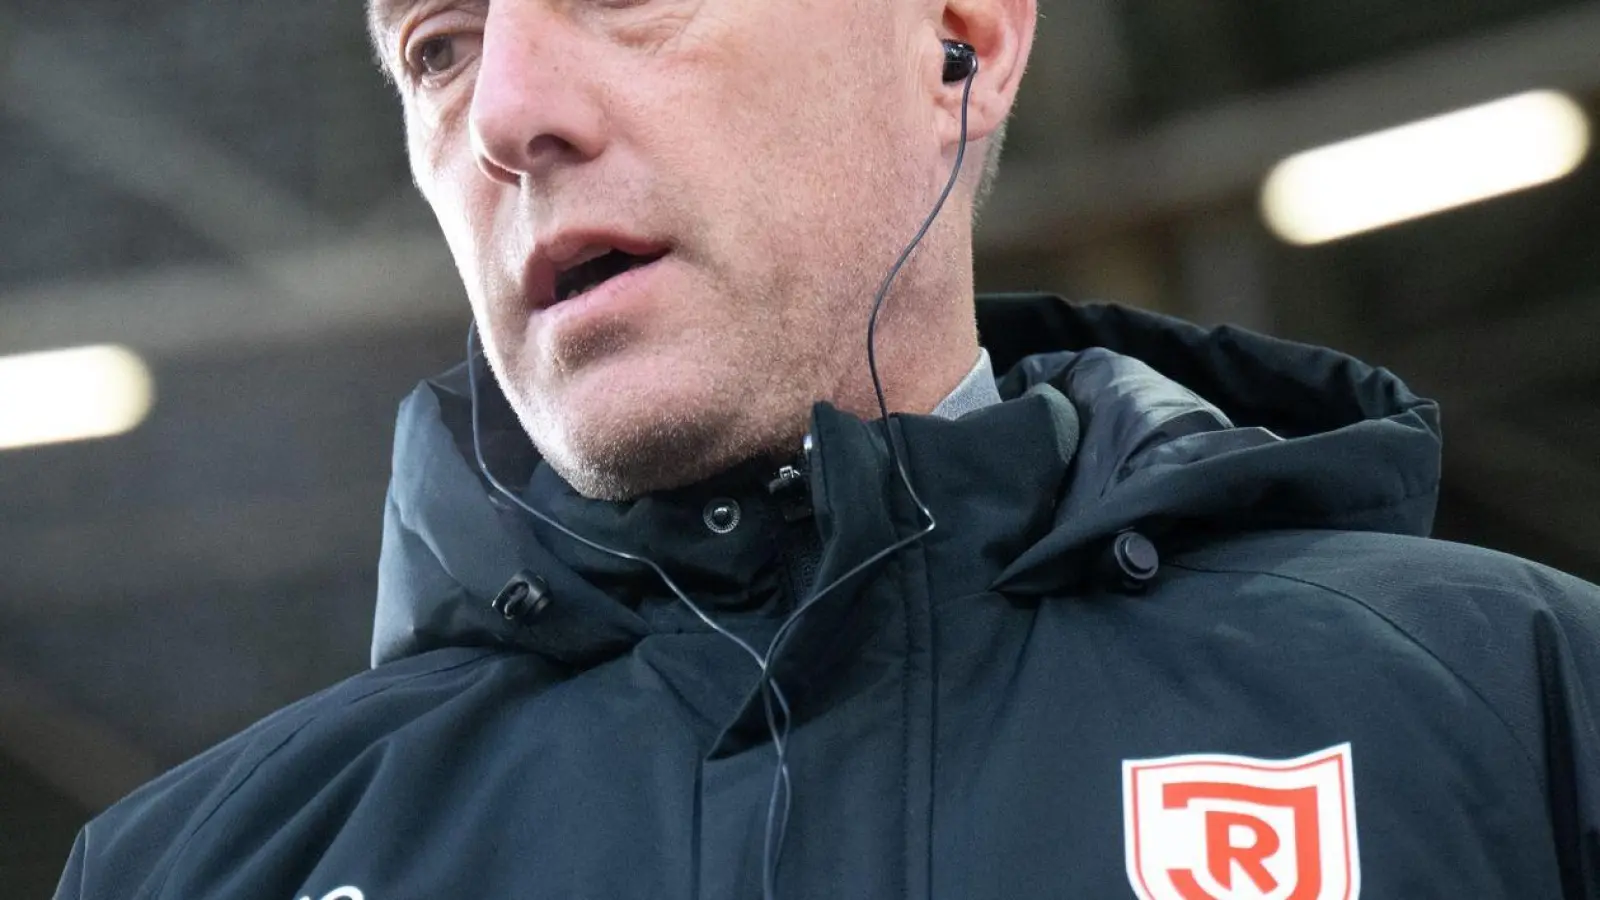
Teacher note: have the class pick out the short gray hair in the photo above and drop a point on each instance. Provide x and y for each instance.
(991, 169)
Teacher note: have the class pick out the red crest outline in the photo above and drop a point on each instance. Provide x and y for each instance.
(1221, 827)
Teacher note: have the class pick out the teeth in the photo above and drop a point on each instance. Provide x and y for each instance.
(596, 270)
(588, 255)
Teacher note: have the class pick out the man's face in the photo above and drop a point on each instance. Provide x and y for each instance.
(758, 165)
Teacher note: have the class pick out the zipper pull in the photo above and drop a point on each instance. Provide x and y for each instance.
(788, 478)
(789, 487)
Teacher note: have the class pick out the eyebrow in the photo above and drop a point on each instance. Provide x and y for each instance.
(383, 16)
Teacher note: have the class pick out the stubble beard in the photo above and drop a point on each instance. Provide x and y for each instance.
(744, 386)
(751, 398)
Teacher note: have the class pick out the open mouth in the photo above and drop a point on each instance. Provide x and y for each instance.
(585, 277)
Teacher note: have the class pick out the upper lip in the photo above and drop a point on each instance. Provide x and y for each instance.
(559, 251)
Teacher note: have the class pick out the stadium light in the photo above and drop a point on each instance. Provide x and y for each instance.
(72, 395)
(1426, 167)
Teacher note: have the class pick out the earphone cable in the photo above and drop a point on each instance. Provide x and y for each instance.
(779, 717)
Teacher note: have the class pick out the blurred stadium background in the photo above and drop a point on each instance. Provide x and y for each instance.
(220, 187)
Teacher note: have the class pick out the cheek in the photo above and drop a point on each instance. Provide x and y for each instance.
(450, 208)
(461, 198)
(443, 166)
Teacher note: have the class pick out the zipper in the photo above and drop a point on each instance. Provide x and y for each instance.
(791, 488)
(802, 550)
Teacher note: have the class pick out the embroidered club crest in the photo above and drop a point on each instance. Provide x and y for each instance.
(1212, 827)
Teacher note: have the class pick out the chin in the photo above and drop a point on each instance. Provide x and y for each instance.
(633, 423)
(621, 444)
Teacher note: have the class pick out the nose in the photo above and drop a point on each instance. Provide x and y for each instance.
(533, 108)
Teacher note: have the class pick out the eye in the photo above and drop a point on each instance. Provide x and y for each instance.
(433, 56)
(430, 57)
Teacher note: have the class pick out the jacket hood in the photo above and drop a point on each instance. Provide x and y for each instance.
(1113, 420)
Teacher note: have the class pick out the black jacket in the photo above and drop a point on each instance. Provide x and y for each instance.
(1179, 633)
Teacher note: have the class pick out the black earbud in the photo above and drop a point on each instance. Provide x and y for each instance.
(960, 60)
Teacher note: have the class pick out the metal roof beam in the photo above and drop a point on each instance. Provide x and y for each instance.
(1220, 155)
(1482, 363)
(78, 755)
(140, 148)
(350, 285)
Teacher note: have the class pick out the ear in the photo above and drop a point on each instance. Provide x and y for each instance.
(1002, 33)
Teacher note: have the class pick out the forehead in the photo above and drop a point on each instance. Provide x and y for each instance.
(384, 15)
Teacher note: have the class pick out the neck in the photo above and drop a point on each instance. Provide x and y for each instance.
(926, 342)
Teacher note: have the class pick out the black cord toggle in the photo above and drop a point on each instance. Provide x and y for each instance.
(523, 598)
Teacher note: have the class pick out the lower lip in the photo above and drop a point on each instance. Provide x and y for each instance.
(609, 296)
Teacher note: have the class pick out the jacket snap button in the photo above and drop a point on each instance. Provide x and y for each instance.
(526, 595)
(722, 516)
(1136, 556)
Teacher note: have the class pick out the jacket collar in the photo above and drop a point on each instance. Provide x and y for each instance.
(1114, 419)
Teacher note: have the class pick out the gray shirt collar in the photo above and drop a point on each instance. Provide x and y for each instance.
(975, 391)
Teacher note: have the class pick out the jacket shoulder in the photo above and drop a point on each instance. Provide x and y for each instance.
(129, 850)
(1384, 568)
(1501, 625)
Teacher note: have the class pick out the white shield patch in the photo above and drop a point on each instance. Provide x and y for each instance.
(1213, 827)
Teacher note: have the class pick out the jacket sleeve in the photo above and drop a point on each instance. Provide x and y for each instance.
(71, 885)
(1567, 650)
(128, 850)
